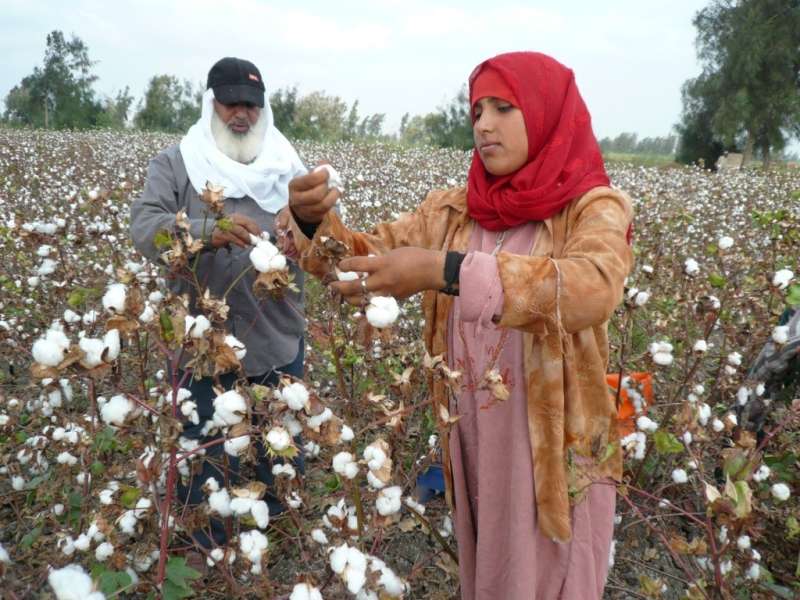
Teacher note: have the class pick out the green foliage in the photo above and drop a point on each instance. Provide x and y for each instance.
(748, 95)
(169, 105)
(449, 127)
(628, 143)
(59, 93)
(667, 443)
(30, 538)
(110, 582)
(179, 576)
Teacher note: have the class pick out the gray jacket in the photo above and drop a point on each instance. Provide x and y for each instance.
(270, 329)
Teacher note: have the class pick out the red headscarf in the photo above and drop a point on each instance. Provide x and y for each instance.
(564, 160)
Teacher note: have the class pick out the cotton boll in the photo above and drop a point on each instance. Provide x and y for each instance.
(780, 334)
(220, 502)
(103, 551)
(319, 536)
(743, 542)
(679, 476)
(114, 298)
(725, 242)
(83, 542)
(690, 267)
(241, 506)
(347, 275)
(260, 512)
(735, 359)
(382, 311)
(338, 559)
(47, 267)
(304, 591)
(286, 470)
(236, 446)
(252, 544)
(92, 351)
(782, 278)
(344, 465)
(148, 314)
(317, 420)
(391, 583)
(277, 262)
(70, 316)
(641, 298)
(197, 326)
(116, 410)
(646, 424)
(335, 180)
(347, 433)
(292, 425)
(71, 583)
(47, 353)
(374, 456)
(703, 413)
(717, 425)
(111, 342)
(238, 347)
(261, 255)
(780, 491)
(278, 439)
(229, 408)
(700, 346)
(295, 395)
(388, 500)
(762, 473)
(65, 458)
(742, 395)
(753, 572)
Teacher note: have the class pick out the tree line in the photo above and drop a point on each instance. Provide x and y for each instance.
(60, 94)
(747, 97)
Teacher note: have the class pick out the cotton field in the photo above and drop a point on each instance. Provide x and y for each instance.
(91, 412)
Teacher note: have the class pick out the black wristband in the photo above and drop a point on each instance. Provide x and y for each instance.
(308, 229)
(452, 270)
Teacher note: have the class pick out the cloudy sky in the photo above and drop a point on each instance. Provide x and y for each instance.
(395, 56)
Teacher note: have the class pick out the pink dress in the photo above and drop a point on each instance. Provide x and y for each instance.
(502, 554)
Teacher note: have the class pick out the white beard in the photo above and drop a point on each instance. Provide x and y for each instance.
(244, 147)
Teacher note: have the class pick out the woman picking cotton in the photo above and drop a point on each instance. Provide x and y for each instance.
(521, 270)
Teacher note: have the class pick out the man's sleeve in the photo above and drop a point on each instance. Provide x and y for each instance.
(155, 209)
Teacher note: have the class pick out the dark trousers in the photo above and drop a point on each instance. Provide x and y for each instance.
(192, 494)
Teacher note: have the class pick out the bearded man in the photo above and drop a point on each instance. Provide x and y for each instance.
(234, 145)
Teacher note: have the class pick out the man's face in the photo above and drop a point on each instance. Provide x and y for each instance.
(238, 118)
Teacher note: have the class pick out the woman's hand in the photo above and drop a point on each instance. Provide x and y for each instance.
(310, 197)
(401, 273)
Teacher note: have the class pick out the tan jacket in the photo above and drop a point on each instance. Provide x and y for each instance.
(561, 297)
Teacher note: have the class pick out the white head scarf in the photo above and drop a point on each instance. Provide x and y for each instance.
(265, 180)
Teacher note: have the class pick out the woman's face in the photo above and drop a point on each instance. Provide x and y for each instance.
(500, 135)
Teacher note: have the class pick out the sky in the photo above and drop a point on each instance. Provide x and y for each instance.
(630, 57)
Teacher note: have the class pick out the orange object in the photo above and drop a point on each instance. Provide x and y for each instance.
(626, 411)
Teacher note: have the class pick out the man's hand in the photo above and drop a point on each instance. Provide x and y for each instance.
(234, 229)
(400, 273)
(310, 198)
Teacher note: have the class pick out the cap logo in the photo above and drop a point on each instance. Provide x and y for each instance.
(252, 76)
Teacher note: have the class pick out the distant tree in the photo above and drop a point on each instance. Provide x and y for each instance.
(697, 139)
(320, 117)
(630, 144)
(284, 106)
(350, 129)
(749, 89)
(58, 94)
(169, 104)
(115, 110)
(449, 127)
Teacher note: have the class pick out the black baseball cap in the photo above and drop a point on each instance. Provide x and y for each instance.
(236, 81)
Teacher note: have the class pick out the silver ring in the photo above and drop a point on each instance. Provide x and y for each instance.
(364, 285)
